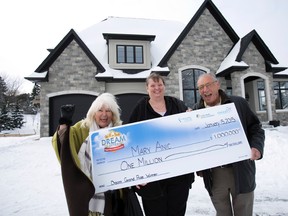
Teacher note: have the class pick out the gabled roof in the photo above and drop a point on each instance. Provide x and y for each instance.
(164, 36)
(259, 44)
(207, 4)
(55, 53)
(161, 33)
(271, 62)
(233, 61)
(93, 40)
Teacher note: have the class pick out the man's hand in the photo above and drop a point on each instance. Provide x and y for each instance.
(67, 112)
(255, 154)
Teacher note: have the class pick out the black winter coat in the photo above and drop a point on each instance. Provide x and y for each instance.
(244, 171)
(144, 111)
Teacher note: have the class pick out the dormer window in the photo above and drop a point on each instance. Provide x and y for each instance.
(129, 52)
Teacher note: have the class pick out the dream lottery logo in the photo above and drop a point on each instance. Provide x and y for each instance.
(113, 141)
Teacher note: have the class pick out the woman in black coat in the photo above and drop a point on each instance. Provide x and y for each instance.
(166, 197)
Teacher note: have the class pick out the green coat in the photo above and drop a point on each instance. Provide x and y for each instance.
(78, 188)
(76, 137)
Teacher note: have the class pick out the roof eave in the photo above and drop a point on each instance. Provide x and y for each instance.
(55, 53)
(230, 70)
(274, 69)
(111, 78)
(38, 79)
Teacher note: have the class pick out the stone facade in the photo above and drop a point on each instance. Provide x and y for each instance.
(205, 46)
(72, 71)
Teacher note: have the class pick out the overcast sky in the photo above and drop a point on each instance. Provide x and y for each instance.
(30, 27)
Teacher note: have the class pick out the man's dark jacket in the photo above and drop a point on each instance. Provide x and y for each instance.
(244, 171)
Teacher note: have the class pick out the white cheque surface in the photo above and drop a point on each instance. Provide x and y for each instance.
(165, 147)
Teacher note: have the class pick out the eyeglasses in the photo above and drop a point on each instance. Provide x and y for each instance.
(207, 85)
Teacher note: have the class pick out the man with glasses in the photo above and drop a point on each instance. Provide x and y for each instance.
(231, 187)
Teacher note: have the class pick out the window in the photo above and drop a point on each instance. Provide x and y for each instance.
(189, 85)
(228, 91)
(129, 54)
(261, 95)
(281, 95)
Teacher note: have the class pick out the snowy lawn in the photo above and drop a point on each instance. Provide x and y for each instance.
(31, 181)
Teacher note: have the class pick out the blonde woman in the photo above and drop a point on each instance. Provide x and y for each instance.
(71, 145)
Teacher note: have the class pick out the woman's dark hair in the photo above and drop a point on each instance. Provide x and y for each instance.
(155, 77)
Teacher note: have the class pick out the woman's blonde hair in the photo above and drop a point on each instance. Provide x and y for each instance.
(109, 101)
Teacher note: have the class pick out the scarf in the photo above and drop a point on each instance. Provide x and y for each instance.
(97, 202)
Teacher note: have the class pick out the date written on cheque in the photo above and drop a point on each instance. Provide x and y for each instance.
(220, 122)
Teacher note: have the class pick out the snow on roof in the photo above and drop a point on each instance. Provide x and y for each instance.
(285, 72)
(230, 59)
(37, 75)
(166, 32)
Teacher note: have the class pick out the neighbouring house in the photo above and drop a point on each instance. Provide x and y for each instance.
(117, 54)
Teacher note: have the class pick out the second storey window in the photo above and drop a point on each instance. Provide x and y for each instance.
(129, 54)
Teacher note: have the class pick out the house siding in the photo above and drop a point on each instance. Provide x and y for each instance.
(256, 63)
(205, 45)
(283, 116)
(72, 71)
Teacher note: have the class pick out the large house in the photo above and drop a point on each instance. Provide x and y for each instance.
(117, 54)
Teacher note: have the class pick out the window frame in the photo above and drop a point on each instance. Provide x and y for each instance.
(126, 53)
(113, 55)
(279, 90)
(195, 90)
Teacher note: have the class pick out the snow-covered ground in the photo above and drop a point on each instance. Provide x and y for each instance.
(31, 184)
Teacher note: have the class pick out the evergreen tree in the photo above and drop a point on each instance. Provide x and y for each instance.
(2, 120)
(3, 90)
(17, 117)
(5, 119)
(36, 90)
(35, 96)
(12, 106)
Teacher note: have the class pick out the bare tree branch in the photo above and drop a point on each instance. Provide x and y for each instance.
(13, 84)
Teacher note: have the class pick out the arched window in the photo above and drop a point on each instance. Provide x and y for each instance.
(189, 85)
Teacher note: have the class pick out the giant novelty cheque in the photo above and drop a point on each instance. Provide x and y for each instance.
(165, 147)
